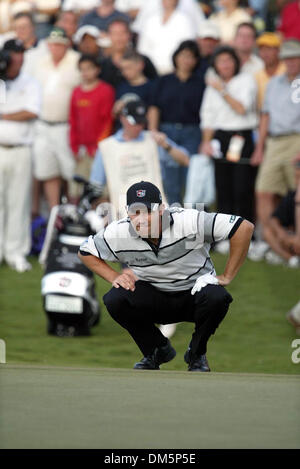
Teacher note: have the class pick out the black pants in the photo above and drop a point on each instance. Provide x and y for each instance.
(235, 181)
(141, 310)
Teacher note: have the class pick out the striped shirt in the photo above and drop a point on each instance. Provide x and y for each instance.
(182, 254)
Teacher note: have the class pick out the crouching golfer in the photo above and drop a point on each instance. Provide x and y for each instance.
(172, 277)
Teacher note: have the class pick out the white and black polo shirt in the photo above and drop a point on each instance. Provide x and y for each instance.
(183, 251)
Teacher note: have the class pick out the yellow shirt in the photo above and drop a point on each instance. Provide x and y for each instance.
(262, 79)
(228, 23)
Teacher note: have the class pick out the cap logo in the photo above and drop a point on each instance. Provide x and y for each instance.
(141, 193)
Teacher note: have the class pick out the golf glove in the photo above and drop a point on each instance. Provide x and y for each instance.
(207, 279)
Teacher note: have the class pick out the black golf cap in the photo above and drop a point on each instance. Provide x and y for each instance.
(143, 194)
(135, 112)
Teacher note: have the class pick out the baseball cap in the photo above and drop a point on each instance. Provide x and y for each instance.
(290, 49)
(91, 30)
(208, 29)
(88, 29)
(14, 45)
(58, 36)
(269, 40)
(135, 112)
(143, 194)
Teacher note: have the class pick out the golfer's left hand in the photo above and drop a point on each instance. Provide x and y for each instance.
(204, 280)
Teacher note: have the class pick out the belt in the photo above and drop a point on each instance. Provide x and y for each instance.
(179, 125)
(53, 122)
(283, 135)
(12, 146)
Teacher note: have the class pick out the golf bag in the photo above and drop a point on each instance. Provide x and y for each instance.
(68, 287)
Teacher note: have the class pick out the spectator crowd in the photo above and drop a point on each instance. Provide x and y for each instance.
(112, 89)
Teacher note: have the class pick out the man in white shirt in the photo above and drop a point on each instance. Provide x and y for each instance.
(58, 74)
(17, 113)
(130, 7)
(191, 8)
(244, 44)
(173, 278)
(162, 33)
(80, 7)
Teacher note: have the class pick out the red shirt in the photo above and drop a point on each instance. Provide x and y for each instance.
(91, 116)
(289, 24)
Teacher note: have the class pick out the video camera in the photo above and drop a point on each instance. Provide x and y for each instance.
(9, 47)
(5, 60)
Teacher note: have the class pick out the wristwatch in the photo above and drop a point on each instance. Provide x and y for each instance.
(224, 92)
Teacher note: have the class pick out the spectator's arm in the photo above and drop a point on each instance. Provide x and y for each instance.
(208, 110)
(20, 116)
(153, 117)
(133, 13)
(177, 153)
(205, 146)
(236, 105)
(258, 154)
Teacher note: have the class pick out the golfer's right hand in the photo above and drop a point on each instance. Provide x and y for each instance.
(124, 280)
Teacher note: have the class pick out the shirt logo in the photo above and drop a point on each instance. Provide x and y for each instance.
(141, 193)
(232, 218)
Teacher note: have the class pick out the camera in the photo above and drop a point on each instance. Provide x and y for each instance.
(5, 60)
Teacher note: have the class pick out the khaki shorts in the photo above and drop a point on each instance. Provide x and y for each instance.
(276, 174)
(52, 153)
(83, 168)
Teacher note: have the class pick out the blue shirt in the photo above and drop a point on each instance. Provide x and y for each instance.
(102, 22)
(179, 101)
(98, 172)
(144, 92)
(282, 105)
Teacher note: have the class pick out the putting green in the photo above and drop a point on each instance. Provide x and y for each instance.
(49, 407)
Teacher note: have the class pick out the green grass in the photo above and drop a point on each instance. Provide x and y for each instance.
(76, 408)
(254, 337)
